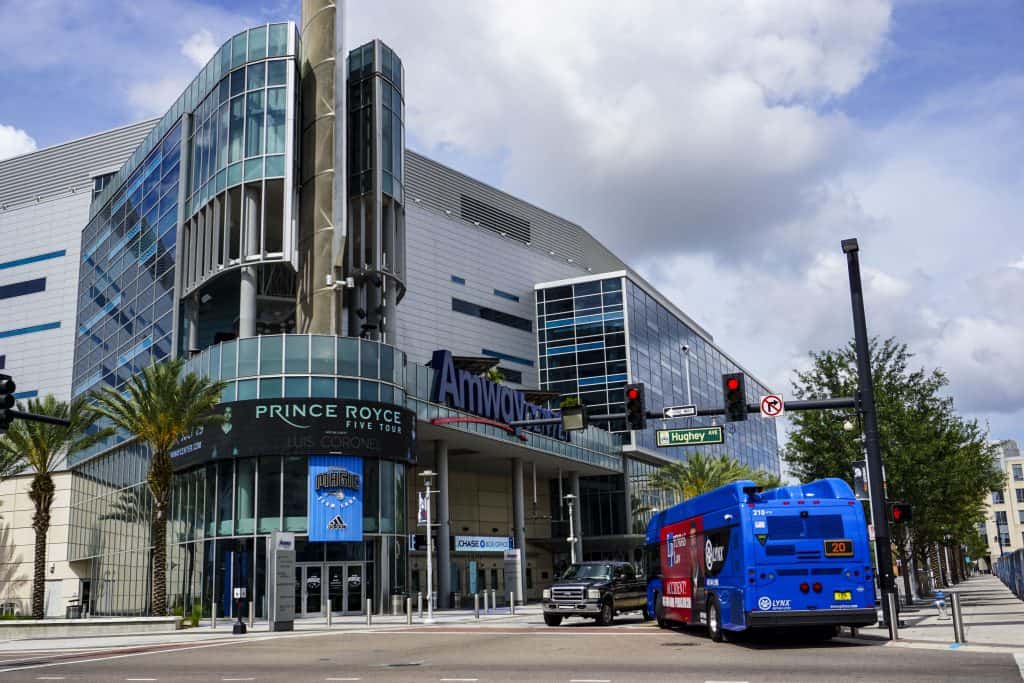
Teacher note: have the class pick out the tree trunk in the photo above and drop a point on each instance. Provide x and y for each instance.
(159, 536)
(160, 478)
(936, 565)
(41, 494)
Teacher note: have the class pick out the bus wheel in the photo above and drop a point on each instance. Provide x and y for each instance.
(607, 614)
(659, 612)
(715, 621)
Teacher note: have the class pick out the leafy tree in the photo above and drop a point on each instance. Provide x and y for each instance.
(160, 406)
(42, 447)
(933, 459)
(699, 474)
(493, 375)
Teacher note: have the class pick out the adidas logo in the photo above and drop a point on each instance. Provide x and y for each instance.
(337, 523)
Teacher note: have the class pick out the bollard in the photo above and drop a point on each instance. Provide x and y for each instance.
(958, 619)
(511, 603)
(487, 607)
(894, 629)
(252, 615)
(476, 605)
(330, 617)
(419, 604)
(408, 610)
(213, 617)
(369, 612)
(494, 600)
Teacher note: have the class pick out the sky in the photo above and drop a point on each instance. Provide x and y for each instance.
(722, 148)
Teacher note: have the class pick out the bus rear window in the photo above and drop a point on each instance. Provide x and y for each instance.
(812, 526)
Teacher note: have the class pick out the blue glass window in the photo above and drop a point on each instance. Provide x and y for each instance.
(458, 280)
(492, 315)
(506, 295)
(23, 288)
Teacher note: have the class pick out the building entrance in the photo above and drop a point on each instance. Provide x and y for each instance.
(338, 586)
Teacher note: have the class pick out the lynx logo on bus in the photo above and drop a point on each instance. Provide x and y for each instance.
(335, 498)
(465, 391)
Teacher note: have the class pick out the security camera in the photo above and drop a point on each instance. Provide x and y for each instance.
(686, 348)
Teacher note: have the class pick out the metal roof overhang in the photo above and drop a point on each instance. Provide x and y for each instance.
(485, 454)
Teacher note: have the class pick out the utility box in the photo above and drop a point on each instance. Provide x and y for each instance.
(514, 574)
(281, 581)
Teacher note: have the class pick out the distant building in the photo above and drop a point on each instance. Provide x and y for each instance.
(44, 204)
(1004, 515)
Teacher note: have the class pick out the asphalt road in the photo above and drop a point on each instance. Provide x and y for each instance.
(570, 654)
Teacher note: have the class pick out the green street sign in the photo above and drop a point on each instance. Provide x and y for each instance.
(692, 436)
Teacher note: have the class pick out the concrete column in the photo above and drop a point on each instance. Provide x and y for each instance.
(519, 520)
(247, 293)
(444, 528)
(192, 314)
(577, 513)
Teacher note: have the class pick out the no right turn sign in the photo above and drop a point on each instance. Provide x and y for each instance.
(772, 405)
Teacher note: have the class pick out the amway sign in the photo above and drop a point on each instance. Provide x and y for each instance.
(470, 393)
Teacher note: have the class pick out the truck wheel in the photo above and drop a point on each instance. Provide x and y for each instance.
(715, 621)
(659, 612)
(607, 614)
(553, 619)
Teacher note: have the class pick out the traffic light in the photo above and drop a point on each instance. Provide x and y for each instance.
(735, 397)
(900, 512)
(636, 409)
(7, 388)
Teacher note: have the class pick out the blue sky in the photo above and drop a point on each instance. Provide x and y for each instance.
(723, 147)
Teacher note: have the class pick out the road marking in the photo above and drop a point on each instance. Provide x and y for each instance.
(590, 680)
(140, 679)
(49, 678)
(468, 680)
(343, 679)
(1019, 657)
(238, 679)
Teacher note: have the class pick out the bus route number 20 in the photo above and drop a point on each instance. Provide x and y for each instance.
(838, 548)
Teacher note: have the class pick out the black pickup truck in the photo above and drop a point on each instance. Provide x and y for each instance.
(598, 590)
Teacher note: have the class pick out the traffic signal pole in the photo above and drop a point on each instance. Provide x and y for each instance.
(866, 396)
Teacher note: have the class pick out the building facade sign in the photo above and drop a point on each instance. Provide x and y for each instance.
(471, 393)
(482, 544)
(302, 426)
(335, 498)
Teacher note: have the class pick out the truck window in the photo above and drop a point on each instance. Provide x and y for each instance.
(627, 573)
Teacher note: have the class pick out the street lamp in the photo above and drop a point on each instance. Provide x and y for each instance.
(686, 364)
(428, 480)
(569, 498)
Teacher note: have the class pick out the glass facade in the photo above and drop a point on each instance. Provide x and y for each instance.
(362, 93)
(594, 336)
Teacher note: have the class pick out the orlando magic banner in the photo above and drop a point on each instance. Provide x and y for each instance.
(335, 498)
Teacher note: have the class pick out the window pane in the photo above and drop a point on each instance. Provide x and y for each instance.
(322, 387)
(238, 50)
(278, 40)
(254, 124)
(348, 357)
(368, 359)
(270, 355)
(277, 72)
(296, 387)
(276, 106)
(270, 494)
(245, 503)
(257, 43)
(295, 505)
(323, 354)
(224, 498)
(256, 76)
(237, 121)
(297, 354)
(270, 387)
(246, 389)
(247, 355)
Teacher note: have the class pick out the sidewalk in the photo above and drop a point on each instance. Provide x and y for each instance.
(497, 618)
(992, 616)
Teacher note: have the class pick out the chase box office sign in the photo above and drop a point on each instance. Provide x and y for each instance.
(335, 498)
(302, 426)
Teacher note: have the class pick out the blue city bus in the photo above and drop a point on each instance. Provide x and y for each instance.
(740, 558)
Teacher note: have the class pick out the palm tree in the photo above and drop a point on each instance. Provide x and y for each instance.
(160, 406)
(699, 474)
(42, 447)
(767, 480)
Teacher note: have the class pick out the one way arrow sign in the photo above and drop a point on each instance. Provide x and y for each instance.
(680, 411)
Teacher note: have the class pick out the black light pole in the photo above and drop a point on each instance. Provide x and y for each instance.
(866, 396)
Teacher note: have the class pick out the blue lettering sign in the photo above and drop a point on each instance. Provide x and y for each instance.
(467, 392)
(335, 498)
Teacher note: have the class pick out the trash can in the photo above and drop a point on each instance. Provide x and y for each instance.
(456, 600)
(397, 606)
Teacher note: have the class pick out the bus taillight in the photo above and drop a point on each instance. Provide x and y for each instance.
(816, 587)
(804, 587)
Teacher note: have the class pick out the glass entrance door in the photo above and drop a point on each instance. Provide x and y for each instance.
(346, 587)
(309, 588)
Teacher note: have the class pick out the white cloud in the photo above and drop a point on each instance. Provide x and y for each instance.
(199, 47)
(153, 97)
(14, 141)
